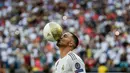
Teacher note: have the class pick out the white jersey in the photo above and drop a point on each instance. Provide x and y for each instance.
(71, 63)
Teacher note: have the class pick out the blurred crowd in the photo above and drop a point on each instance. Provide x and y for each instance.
(102, 26)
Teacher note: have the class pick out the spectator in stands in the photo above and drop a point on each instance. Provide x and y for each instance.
(2, 68)
(102, 68)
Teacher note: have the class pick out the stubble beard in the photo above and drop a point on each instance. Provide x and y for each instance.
(58, 43)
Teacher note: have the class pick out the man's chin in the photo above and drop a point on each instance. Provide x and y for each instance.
(57, 44)
(58, 41)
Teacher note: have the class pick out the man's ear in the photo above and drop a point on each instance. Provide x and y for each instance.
(71, 44)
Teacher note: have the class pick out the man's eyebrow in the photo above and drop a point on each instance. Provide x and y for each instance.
(65, 34)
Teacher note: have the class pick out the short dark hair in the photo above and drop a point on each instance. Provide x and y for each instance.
(76, 40)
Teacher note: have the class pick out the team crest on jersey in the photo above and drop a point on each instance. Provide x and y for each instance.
(77, 66)
(62, 67)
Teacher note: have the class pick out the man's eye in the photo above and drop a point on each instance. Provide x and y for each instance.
(65, 35)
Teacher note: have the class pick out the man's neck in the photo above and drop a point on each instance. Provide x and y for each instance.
(64, 52)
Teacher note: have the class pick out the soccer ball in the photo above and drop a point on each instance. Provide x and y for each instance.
(52, 31)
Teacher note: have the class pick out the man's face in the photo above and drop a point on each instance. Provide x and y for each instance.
(65, 40)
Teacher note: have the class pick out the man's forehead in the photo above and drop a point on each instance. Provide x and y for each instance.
(67, 33)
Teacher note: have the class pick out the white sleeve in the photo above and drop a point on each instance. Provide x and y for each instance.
(77, 66)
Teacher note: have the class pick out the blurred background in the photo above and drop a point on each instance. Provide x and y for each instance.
(102, 26)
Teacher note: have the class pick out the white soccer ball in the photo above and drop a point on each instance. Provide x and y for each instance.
(52, 31)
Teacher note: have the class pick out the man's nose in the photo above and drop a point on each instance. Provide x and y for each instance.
(62, 36)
